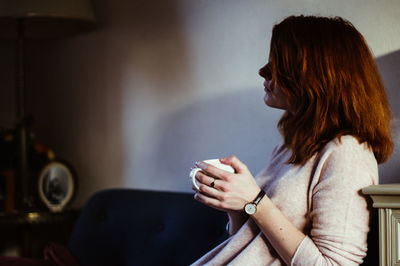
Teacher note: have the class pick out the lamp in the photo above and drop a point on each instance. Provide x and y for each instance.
(21, 19)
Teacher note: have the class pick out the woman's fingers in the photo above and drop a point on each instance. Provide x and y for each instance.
(210, 191)
(210, 181)
(235, 163)
(203, 198)
(225, 190)
(208, 185)
(214, 171)
(204, 179)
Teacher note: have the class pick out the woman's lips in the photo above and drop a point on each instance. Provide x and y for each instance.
(266, 89)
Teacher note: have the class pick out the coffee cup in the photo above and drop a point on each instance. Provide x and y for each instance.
(213, 162)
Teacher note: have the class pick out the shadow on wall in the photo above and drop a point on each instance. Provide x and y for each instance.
(238, 123)
(389, 66)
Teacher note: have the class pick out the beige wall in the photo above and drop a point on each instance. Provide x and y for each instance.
(162, 84)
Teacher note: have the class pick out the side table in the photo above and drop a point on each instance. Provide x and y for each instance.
(386, 198)
(31, 231)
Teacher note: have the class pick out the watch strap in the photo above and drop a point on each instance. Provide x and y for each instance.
(259, 197)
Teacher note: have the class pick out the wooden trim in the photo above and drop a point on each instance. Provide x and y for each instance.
(387, 199)
(382, 238)
(395, 224)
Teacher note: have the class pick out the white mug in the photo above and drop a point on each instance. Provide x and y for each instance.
(213, 162)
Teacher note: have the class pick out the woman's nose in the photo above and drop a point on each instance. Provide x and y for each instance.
(265, 72)
(261, 72)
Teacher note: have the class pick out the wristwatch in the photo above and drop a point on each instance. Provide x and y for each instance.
(251, 207)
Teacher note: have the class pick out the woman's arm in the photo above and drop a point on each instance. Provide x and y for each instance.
(281, 233)
(232, 191)
(339, 215)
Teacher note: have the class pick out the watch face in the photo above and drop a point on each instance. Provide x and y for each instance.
(250, 208)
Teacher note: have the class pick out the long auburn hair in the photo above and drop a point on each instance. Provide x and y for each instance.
(327, 71)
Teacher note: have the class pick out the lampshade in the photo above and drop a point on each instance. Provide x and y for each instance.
(46, 18)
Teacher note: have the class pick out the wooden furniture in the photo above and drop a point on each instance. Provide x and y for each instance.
(386, 198)
(30, 232)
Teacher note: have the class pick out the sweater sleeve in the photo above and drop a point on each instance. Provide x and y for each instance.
(339, 212)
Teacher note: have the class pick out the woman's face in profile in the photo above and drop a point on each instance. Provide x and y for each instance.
(274, 96)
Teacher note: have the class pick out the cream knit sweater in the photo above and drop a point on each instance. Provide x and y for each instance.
(322, 198)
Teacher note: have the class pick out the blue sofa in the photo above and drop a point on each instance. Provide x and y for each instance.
(124, 227)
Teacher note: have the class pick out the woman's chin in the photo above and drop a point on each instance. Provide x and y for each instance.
(273, 104)
(268, 101)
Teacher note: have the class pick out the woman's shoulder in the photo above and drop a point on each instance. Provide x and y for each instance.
(348, 145)
(347, 152)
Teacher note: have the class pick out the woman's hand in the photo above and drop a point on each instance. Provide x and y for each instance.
(223, 190)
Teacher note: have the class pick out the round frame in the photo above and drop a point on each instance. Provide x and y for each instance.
(56, 185)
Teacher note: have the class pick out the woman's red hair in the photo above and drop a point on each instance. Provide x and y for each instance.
(328, 73)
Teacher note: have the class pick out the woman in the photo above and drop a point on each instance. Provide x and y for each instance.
(336, 129)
